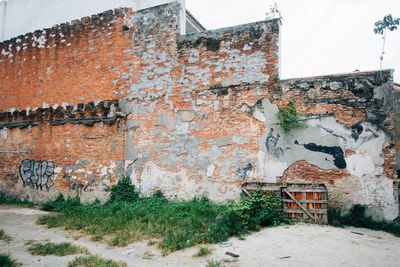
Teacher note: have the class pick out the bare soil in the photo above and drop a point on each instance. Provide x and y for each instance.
(296, 245)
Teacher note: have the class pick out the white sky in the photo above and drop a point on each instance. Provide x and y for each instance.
(318, 37)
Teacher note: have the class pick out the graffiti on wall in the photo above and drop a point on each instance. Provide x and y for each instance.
(80, 186)
(37, 173)
(271, 144)
(322, 143)
(335, 151)
(353, 140)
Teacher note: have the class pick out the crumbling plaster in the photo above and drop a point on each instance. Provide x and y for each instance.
(195, 115)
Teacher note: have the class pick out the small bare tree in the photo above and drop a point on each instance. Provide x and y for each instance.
(381, 27)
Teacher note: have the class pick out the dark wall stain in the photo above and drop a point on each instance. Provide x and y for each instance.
(212, 44)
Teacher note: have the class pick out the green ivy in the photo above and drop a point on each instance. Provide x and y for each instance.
(258, 211)
(123, 191)
(288, 118)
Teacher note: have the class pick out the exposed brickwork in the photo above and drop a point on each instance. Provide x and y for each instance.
(122, 93)
(68, 64)
(302, 171)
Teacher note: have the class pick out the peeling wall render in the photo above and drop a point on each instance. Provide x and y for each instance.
(87, 102)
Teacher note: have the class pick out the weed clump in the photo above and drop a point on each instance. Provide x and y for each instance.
(61, 249)
(259, 210)
(15, 201)
(203, 251)
(123, 191)
(61, 204)
(356, 217)
(289, 118)
(92, 260)
(7, 261)
(3, 236)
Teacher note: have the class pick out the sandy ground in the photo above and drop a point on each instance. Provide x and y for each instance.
(297, 245)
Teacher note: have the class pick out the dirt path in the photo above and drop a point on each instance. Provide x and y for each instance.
(297, 245)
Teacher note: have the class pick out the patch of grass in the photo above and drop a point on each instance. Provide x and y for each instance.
(7, 261)
(95, 261)
(176, 225)
(3, 236)
(356, 217)
(61, 249)
(203, 251)
(213, 264)
(15, 201)
(61, 204)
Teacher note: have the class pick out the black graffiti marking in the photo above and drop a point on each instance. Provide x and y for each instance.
(355, 137)
(242, 172)
(37, 173)
(335, 151)
(271, 143)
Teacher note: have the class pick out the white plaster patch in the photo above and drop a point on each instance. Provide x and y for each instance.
(375, 193)
(41, 41)
(176, 185)
(3, 133)
(274, 169)
(360, 165)
(153, 177)
(210, 170)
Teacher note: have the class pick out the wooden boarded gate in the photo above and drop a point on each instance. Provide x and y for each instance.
(306, 202)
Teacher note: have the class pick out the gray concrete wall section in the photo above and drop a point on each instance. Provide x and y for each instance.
(130, 150)
(247, 67)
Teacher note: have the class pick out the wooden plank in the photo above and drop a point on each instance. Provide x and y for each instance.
(308, 190)
(308, 201)
(262, 188)
(232, 254)
(298, 203)
(245, 191)
(317, 211)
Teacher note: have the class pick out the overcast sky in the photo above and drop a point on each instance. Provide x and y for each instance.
(317, 36)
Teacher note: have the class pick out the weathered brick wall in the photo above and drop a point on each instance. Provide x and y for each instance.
(80, 62)
(124, 94)
(364, 106)
(70, 151)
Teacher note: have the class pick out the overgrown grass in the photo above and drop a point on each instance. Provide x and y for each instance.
(7, 261)
(94, 261)
(176, 224)
(61, 249)
(61, 204)
(16, 202)
(203, 251)
(3, 236)
(356, 217)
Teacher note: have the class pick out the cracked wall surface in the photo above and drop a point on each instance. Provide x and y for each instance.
(122, 93)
